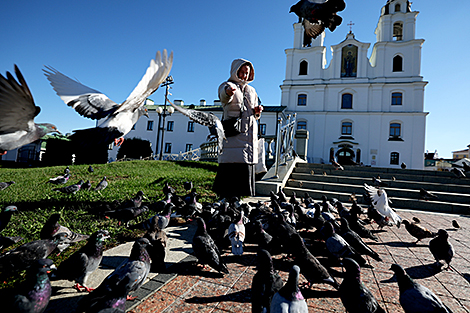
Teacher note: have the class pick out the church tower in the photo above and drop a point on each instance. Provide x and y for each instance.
(359, 109)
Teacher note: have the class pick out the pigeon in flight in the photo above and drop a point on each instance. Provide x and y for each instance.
(17, 113)
(318, 15)
(216, 130)
(117, 119)
(380, 202)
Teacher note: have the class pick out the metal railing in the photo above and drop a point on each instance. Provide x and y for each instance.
(192, 155)
(284, 142)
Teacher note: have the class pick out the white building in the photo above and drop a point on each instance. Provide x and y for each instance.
(359, 109)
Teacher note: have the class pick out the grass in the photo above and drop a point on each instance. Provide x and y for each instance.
(36, 201)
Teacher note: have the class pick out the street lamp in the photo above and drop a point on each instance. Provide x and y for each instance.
(163, 113)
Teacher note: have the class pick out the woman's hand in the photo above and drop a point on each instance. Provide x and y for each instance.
(229, 90)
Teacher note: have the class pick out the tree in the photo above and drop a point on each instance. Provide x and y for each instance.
(135, 148)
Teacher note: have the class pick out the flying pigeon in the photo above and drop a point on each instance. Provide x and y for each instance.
(127, 277)
(5, 216)
(266, 282)
(458, 172)
(356, 297)
(5, 185)
(24, 256)
(418, 231)
(80, 265)
(52, 228)
(317, 16)
(59, 180)
(102, 185)
(289, 298)
(205, 249)
(17, 113)
(72, 189)
(380, 202)
(216, 129)
(415, 297)
(118, 119)
(441, 248)
(426, 195)
(34, 294)
(236, 234)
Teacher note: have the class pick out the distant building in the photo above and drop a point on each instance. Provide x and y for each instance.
(461, 154)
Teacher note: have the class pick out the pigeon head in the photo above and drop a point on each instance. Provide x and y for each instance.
(328, 230)
(352, 268)
(10, 208)
(46, 128)
(404, 280)
(100, 236)
(264, 262)
(443, 234)
(61, 238)
(291, 290)
(344, 225)
(39, 270)
(139, 249)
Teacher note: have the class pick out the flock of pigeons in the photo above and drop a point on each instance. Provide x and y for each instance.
(274, 226)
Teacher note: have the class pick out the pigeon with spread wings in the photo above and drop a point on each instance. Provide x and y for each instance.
(17, 113)
(117, 119)
(207, 119)
(381, 204)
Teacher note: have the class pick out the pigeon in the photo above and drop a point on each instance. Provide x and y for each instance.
(312, 269)
(6, 241)
(24, 256)
(157, 221)
(356, 297)
(458, 172)
(127, 277)
(236, 234)
(216, 129)
(5, 185)
(418, 231)
(134, 202)
(403, 165)
(426, 195)
(86, 185)
(90, 169)
(379, 182)
(378, 218)
(356, 241)
(52, 228)
(206, 250)
(415, 297)
(72, 189)
(441, 248)
(59, 180)
(416, 220)
(289, 299)
(5, 216)
(359, 228)
(340, 248)
(101, 185)
(157, 251)
(127, 214)
(167, 189)
(336, 164)
(34, 294)
(381, 203)
(455, 224)
(67, 170)
(117, 119)
(81, 264)
(266, 282)
(17, 113)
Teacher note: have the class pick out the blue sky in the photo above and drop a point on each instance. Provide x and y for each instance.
(107, 45)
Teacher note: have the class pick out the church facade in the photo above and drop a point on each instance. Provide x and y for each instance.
(359, 109)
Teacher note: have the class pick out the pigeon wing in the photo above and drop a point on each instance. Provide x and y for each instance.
(17, 109)
(156, 74)
(313, 29)
(86, 101)
(200, 117)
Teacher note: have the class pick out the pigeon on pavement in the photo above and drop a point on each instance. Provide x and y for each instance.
(415, 297)
(380, 202)
(17, 113)
(236, 234)
(289, 298)
(340, 248)
(356, 297)
(82, 263)
(356, 241)
(34, 294)
(266, 282)
(157, 251)
(418, 231)
(5, 185)
(116, 119)
(206, 250)
(5, 216)
(52, 228)
(455, 224)
(441, 248)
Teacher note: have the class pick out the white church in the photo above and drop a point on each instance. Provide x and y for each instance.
(358, 110)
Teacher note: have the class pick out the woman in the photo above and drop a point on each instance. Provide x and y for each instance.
(236, 172)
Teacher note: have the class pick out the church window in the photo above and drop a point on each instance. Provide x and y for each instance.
(397, 63)
(397, 7)
(398, 31)
(302, 99)
(394, 158)
(395, 130)
(349, 61)
(303, 68)
(346, 101)
(301, 125)
(346, 128)
(397, 98)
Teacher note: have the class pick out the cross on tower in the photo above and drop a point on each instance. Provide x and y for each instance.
(350, 24)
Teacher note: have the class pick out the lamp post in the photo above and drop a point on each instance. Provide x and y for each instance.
(163, 113)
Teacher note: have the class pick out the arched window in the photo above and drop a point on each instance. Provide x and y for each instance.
(346, 128)
(397, 7)
(394, 158)
(398, 31)
(395, 130)
(303, 68)
(301, 125)
(346, 101)
(397, 64)
(302, 99)
(397, 98)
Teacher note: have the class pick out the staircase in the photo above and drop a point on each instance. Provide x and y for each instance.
(403, 186)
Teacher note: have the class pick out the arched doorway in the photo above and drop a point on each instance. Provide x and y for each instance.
(345, 156)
